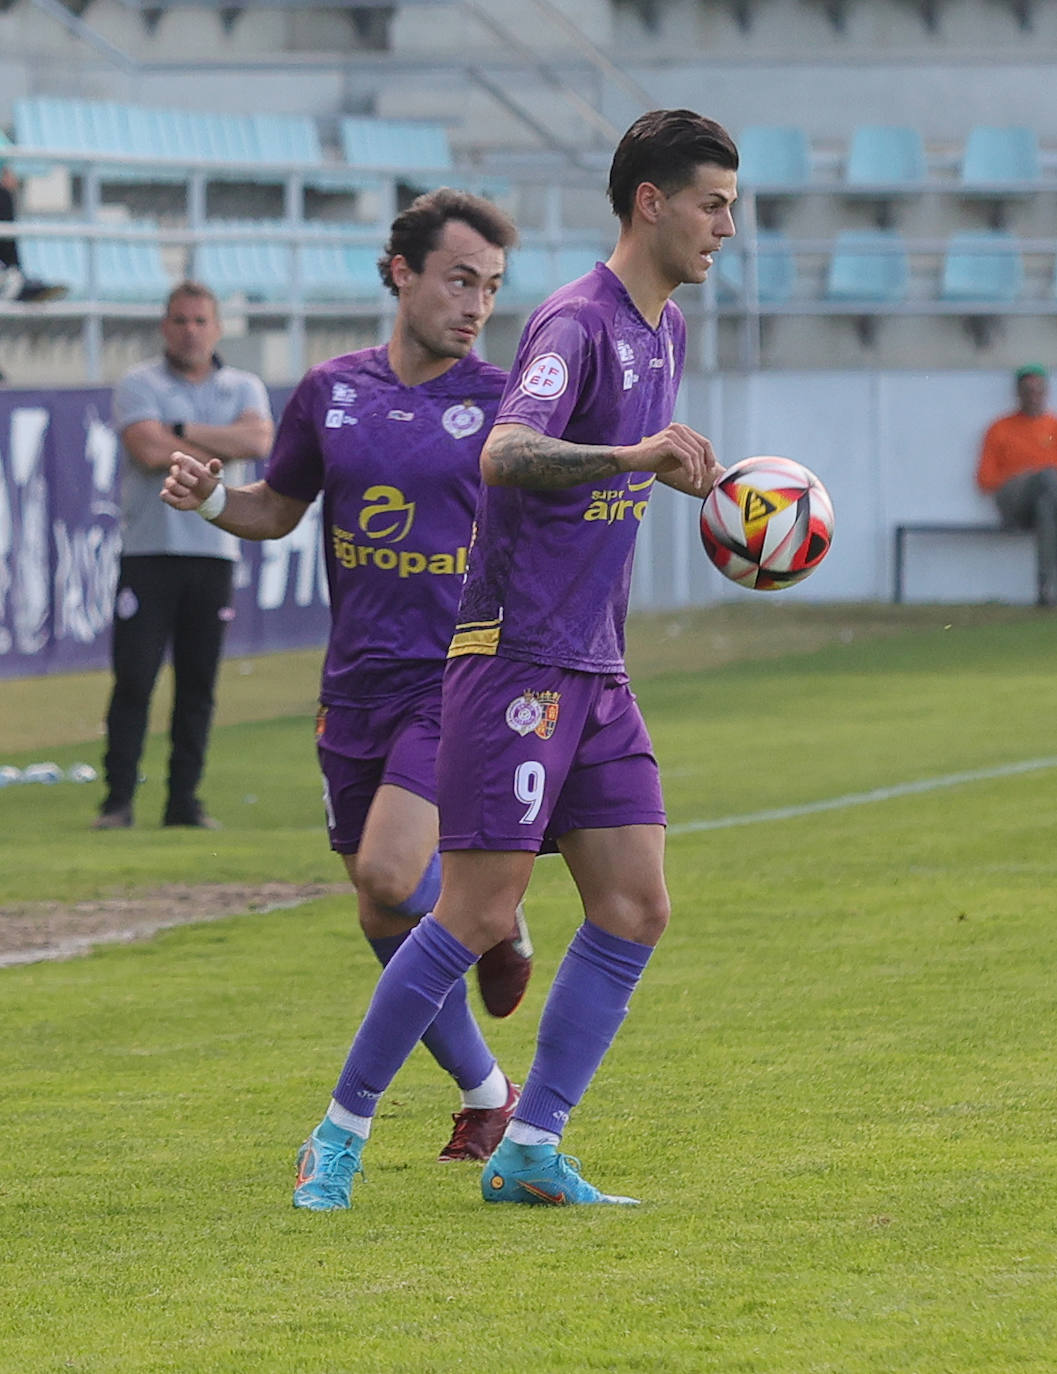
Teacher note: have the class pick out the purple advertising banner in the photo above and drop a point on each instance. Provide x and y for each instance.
(60, 540)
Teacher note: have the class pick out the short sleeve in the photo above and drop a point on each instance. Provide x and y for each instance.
(255, 396)
(295, 467)
(136, 397)
(550, 373)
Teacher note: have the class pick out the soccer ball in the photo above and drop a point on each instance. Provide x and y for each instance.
(767, 523)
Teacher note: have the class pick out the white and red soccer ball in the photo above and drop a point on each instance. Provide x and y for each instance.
(767, 523)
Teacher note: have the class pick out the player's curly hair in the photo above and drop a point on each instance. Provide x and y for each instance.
(666, 147)
(416, 231)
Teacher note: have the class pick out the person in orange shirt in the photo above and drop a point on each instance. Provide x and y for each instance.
(1018, 467)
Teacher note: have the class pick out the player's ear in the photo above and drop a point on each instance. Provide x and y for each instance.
(400, 270)
(649, 201)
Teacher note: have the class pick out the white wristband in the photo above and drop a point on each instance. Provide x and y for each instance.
(214, 503)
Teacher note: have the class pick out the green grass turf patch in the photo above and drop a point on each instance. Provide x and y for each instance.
(833, 1092)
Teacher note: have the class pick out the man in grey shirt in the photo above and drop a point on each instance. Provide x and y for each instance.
(175, 579)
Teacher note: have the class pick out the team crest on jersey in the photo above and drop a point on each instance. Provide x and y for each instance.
(534, 713)
(546, 377)
(462, 420)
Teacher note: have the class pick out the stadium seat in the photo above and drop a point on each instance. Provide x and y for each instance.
(254, 267)
(885, 156)
(995, 156)
(868, 266)
(286, 138)
(162, 134)
(533, 271)
(774, 156)
(983, 266)
(417, 153)
(775, 268)
(333, 268)
(60, 260)
(131, 269)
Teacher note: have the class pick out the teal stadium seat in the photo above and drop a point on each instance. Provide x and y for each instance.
(333, 269)
(775, 268)
(774, 156)
(869, 266)
(885, 156)
(995, 156)
(984, 267)
(533, 271)
(162, 134)
(256, 268)
(295, 139)
(417, 153)
(63, 261)
(131, 269)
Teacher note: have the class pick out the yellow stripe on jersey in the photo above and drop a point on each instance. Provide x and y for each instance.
(480, 637)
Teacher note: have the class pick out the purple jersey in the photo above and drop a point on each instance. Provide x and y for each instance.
(399, 470)
(550, 571)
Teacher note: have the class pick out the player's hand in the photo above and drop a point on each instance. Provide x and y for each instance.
(684, 458)
(189, 482)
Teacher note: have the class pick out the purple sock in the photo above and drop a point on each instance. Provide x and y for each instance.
(587, 1002)
(408, 996)
(454, 1039)
(424, 897)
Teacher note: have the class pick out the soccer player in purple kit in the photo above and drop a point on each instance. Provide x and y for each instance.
(541, 738)
(392, 436)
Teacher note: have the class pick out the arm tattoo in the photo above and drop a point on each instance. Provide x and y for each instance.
(524, 458)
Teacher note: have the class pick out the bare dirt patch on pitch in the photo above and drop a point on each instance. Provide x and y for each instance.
(34, 931)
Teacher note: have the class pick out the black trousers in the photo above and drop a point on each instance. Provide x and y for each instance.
(165, 602)
(8, 246)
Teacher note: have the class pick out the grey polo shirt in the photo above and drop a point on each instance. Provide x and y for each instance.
(153, 391)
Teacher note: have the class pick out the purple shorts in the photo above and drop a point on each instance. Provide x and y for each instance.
(394, 741)
(529, 752)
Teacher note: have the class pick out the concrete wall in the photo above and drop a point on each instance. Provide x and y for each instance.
(891, 448)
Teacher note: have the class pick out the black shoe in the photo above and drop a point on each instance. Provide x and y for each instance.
(193, 816)
(118, 818)
(34, 292)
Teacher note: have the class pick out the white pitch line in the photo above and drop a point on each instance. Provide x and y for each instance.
(902, 789)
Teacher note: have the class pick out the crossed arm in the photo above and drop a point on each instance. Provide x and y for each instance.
(151, 443)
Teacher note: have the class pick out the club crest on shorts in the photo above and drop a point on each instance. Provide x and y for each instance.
(534, 713)
(462, 420)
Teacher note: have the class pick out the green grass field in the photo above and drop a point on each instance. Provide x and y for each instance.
(834, 1092)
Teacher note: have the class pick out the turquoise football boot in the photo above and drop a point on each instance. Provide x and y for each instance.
(326, 1165)
(541, 1176)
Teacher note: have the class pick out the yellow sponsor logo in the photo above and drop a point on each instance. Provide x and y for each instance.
(404, 562)
(390, 517)
(614, 506)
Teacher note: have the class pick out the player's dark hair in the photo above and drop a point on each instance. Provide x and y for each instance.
(666, 147)
(195, 289)
(416, 231)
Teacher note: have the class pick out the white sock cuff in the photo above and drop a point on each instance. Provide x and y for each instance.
(348, 1121)
(491, 1093)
